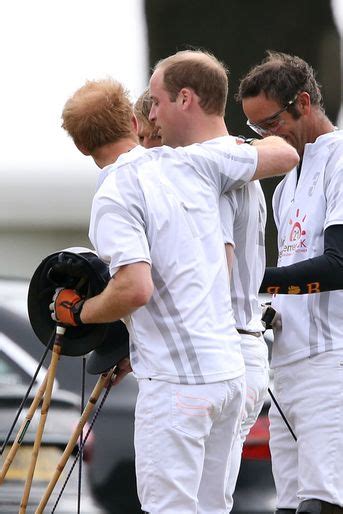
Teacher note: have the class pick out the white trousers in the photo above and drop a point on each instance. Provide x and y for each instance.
(183, 438)
(255, 353)
(310, 394)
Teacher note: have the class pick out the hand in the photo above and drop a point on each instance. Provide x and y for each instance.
(242, 139)
(270, 317)
(66, 307)
(123, 368)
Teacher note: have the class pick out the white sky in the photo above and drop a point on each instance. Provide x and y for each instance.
(49, 48)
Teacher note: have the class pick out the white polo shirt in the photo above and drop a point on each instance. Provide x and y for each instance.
(243, 214)
(311, 323)
(161, 206)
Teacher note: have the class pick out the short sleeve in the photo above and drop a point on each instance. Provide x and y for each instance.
(227, 214)
(223, 162)
(117, 230)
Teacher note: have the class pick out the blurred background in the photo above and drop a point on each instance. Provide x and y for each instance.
(50, 48)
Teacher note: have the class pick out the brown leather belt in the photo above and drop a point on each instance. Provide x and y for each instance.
(255, 334)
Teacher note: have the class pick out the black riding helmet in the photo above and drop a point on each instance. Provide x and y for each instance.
(82, 270)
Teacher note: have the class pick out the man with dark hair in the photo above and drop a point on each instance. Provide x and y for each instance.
(155, 221)
(281, 97)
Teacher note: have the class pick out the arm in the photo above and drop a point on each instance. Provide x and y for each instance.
(227, 209)
(230, 255)
(275, 157)
(129, 289)
(323, 273)
(228, 164)
(117, 231)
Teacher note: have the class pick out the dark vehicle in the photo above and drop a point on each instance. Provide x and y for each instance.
(111, 469)
(17, 367)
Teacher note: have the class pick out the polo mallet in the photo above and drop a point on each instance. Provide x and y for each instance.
(268, 318)
(282, 414)
(101, 360)
(72, 268)
(82, 445)
(21, 406)
(56, 352)
(23, 429)
(80, 269)
(100, 385)
(65, 269)
(81, 440)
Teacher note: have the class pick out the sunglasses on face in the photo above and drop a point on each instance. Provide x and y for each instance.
(272, 123)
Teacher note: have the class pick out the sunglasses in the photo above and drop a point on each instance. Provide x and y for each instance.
(272, 123)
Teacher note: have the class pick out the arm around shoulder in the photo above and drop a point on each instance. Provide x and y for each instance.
(275, 157)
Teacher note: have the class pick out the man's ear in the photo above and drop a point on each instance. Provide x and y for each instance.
(304, 102)
(82, 149)
(185, 97)
(134, 124)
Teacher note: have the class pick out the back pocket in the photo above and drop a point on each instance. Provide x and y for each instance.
(191, 413)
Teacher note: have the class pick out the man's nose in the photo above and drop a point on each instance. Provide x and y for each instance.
(152, 114)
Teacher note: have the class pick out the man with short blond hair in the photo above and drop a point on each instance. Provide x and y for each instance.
(185, 118)
(201, 71)
(197, 116)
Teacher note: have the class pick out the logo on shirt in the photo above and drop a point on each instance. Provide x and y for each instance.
(295, 242)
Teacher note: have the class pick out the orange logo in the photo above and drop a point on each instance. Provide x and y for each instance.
(294, 290)
(296, 241)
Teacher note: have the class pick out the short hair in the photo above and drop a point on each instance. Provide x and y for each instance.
(280, 77)
(142, 109)
(98, 113)
(143, 105)
(200, 71)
